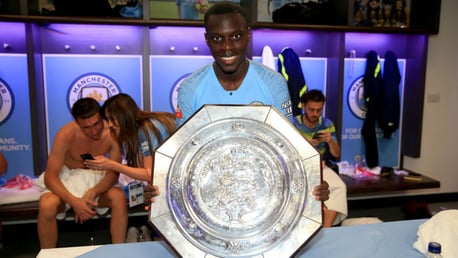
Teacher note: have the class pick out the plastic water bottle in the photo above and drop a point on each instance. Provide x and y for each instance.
(434, 250)
(91, 240)
(141, 237)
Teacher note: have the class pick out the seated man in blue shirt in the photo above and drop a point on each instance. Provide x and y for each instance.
(321, 133)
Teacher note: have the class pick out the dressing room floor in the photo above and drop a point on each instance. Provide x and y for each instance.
(21, 240)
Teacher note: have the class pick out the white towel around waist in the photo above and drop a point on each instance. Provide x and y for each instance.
(77, 181)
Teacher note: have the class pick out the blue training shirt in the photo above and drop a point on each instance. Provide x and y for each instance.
(261, 86)
(324, 124)
(143, 142)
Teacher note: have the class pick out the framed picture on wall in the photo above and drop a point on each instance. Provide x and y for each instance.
(181, 9)
(381, 13)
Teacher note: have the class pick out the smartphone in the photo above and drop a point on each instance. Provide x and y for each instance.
(316, 135)
(86, 156)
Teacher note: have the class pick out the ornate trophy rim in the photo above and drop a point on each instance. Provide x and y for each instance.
(236, 181)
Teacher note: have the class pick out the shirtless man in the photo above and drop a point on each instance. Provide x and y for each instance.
(70, 185)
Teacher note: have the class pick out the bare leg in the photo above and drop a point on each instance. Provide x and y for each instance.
(328, 217)
(115, 198)
(48, 207)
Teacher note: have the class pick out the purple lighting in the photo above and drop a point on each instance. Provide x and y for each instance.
(178, 41)
(12, 37)
(101, 39)
(381, 43)
(302, 42)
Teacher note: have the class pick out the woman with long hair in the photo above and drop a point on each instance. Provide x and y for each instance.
(138, 134)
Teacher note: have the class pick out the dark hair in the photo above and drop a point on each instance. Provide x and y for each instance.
(313, 95)
(130, 120)
(85, 108)
(225, 7)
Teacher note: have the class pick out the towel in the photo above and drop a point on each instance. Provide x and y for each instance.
(268, 57)
(441, 228)
(338, 194)
(77, 181)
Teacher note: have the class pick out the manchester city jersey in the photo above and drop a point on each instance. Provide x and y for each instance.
(261, 86)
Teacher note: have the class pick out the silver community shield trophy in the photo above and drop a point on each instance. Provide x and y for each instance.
(236, 181)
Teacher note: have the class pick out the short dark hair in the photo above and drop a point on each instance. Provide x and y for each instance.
(85, 108)
(225, 7)
(313, 95)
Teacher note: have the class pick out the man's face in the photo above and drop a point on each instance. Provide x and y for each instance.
(92, 127)
(313, 111)
(227, 36)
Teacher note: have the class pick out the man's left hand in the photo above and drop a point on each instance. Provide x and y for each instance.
(150, 191)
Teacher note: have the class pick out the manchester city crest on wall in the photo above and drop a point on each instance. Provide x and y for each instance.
(355, 100)
(94, 85)
(6, 101)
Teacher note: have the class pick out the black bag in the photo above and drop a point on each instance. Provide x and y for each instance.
(91, 8)
(303, 13)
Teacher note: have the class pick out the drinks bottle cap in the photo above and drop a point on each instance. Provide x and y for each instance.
(434, 247)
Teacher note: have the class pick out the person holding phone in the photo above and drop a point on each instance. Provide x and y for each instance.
(321, 133)
(318, 130)
(68, 183)
(137, 132)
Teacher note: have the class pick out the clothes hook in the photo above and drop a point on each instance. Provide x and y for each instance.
(352, 53)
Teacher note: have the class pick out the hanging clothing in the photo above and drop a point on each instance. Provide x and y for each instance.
(372, 90)
(268, 57)
(289, 66)
(390, 99)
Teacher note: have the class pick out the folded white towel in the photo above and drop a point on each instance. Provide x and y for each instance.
(441, 228)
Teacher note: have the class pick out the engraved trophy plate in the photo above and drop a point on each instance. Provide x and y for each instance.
(236, 181)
